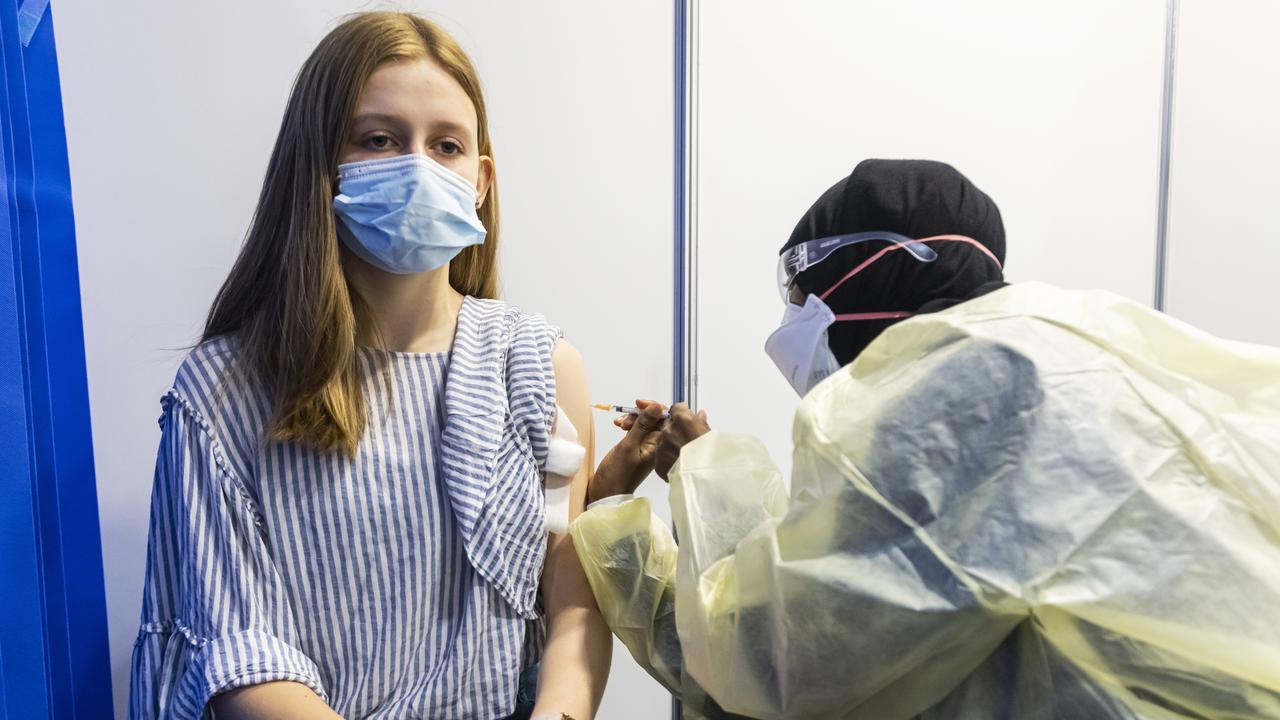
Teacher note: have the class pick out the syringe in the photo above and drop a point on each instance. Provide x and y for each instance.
(624, 410)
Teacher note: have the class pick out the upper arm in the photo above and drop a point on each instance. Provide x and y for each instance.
(576, 660)
(573, 397)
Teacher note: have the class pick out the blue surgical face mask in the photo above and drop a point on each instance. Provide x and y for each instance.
(406, 214)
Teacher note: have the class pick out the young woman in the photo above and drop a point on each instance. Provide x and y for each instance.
(348, 516)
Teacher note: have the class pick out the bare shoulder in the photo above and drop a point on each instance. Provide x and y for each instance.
(571, 383)
(566, 359)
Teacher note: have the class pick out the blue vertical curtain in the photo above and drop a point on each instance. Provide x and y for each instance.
(53, 639)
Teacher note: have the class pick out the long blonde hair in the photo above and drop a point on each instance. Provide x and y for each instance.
(287, 300)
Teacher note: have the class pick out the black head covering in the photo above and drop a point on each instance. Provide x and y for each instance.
(916, 198)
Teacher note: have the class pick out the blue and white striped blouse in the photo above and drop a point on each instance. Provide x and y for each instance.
(398, 583)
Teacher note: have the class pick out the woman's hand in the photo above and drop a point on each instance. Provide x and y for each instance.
(631, 460)
(684, 427)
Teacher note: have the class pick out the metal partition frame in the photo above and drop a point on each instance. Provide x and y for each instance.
(684, 371)
(684, 343)
(1166, 155)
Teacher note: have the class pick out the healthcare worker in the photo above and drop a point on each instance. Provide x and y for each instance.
(1007, 501)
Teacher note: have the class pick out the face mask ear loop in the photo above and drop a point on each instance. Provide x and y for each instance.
(874, 316)
(967, 240)
(860, 268)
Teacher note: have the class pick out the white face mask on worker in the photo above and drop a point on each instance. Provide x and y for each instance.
(799, 346)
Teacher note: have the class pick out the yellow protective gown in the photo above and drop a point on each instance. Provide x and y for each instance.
(1038, 504)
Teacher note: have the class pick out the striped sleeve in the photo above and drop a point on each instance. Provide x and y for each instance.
(215, 615)
(531, 382)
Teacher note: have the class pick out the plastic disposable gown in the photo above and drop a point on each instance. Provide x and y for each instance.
(1038, 504)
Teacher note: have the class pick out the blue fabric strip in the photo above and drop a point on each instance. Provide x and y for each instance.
(64, 655)
(29, 18)
(22, 666)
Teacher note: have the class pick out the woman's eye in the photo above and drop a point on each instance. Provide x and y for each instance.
(449, 147)
(378, 142)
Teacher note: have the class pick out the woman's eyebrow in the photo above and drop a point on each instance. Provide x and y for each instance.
(377, 117)
(451, 127)
(437, 127)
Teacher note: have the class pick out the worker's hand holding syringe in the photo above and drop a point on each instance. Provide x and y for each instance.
(653, 442)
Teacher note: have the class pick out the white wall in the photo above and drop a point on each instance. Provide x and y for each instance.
(1052, 108)
(171, 111)
(1224, 232)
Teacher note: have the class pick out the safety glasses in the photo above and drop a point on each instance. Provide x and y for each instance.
(799, 258)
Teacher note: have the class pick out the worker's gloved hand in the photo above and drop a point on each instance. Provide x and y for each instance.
(631, 460)
(684, 427)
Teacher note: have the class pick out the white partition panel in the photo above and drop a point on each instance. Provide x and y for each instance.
(171, 111)
(1052, 108)
(1224, 231)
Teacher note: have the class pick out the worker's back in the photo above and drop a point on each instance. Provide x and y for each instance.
(1037, 504)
